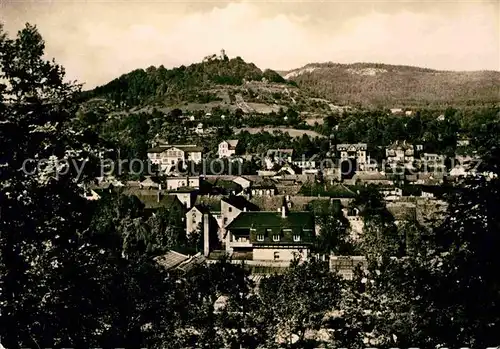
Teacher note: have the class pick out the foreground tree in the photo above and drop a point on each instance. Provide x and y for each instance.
(444, 292)
(60, 288)
(294, 304)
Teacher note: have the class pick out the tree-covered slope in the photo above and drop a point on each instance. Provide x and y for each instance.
(181, 84)
(375, 85)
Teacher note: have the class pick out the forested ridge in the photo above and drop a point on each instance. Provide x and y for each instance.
(395, 86)
(180, 84)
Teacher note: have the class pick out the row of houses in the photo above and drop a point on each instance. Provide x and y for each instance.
(399, 155)
(265, 228)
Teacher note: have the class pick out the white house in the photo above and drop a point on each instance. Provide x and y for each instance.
(400, 154)
(391, 193)
(199, 129)
(231, 207)
(227, 148)
(353, 151)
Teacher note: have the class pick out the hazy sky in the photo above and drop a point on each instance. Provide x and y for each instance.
(97, 41)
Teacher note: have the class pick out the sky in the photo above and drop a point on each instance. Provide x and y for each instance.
(97, 41)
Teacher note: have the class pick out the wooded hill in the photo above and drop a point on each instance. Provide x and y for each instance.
(196, 83)
(235, 84)
(388, 86)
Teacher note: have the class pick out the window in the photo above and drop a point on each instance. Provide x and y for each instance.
(276, 255)
(260, 237)
(296, 238)
(276, 238)
(225, 220)
(230, 209)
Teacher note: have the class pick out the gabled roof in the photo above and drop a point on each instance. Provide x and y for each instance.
(372, 175)
(403, 211)
(242, 177)
(240, 203)
(189, 148)
(150, 180)
(175, 260)
(264, 184)
(202, 208)
(150, 197)
(227, 184)
(171, 259)
(232, 143)
(157, 150)
(354, 146)
(400, 145)
(191, 263)
(213, 203)
(183, 190)
(192, 149)
(269, 224)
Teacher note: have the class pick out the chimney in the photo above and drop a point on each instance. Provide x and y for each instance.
(206, 235)
(244, 209)
(158, 197)
(283, 211)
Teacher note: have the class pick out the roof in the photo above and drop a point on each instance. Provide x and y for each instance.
(192, 262)
(399, 145)
(227, 184)
(264, 184)
(261, 222)
(189, 148)
(150, 197)
(232, 143)
(301, 219)
(372, 175)
(157, 150)
(271, 223)
(202, 208)
(212, 202)
(402, 210)
(242, 177)
(271, 152)
(151, 180)
(356, 146)
(175, 260)
(183, 190)
(240, 203)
